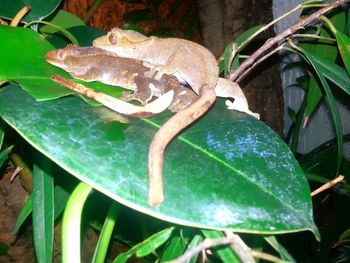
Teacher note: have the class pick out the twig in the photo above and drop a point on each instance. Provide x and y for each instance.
(258, 62)
(328, 185)
(248, 63)
(265, 256)
(19, 16)
(153, 108)
(314, 36)
(207, 243)
(236, 243)
(242, 250)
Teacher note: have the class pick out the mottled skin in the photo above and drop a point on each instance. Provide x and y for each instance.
(191, 63)
(94, 64)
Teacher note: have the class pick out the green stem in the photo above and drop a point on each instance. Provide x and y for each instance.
(106, 234)
(71, 223)
(62, 30)
(92, 10)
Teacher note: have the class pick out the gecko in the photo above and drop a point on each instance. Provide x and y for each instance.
(191, 64)
(93, 64)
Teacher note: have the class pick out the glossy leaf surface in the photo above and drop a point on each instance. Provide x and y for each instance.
(228, 171)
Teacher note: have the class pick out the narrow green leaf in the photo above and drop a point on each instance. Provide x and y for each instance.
(71, 223)
(62, 19)
(147, 246)
(23, 215)
(331, 71)
(174, 248)
(326, 50)
(152, 243)
(2, 132)
(322, 73)
(196, 240)
(314, 96)
(43, 210)
(279, 248)
(225, 253)
(245, 35)
(61, 198)
(344, 48)
(224, 64)
(297, 127)
(106, 234)
(4, 155)
(292, 115)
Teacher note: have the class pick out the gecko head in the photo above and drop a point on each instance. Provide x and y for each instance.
(119, 41)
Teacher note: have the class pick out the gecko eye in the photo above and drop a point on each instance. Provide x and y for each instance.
(60, 55)
(113, 39)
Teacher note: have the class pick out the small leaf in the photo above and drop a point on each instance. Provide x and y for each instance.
(152, 243)
(314, 96)
(147, 246)
(175, 247)
(245, 35)
(23, 215)
(4, 155)
(225, 253)
(344, 48)
(279, 248)
(2, 131)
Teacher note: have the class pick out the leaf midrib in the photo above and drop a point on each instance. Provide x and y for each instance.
(216, 158)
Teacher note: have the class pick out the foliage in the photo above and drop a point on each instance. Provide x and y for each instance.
(324, 49)
(237, 174)
(186, 24)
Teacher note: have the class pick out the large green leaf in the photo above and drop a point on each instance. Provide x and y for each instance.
(228, 171)
(27, 66)
(39, 9)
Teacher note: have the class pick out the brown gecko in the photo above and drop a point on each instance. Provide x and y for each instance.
(93, 64)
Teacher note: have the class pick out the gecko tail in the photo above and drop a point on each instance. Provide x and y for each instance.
(166, 134)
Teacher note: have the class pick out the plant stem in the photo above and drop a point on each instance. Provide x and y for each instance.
(236, 75)
(106, 234)
(71, 223)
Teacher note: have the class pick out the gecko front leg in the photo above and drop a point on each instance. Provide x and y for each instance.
(120, 106)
